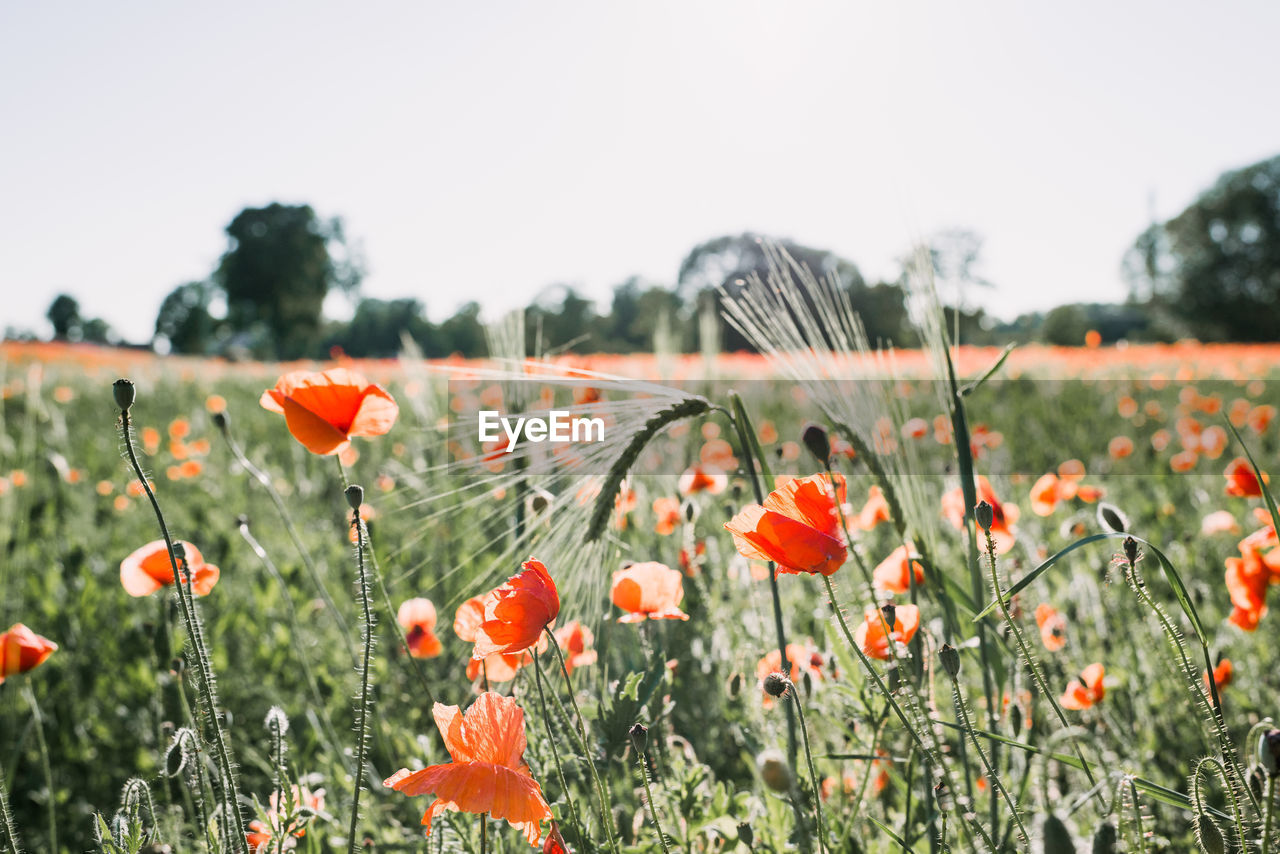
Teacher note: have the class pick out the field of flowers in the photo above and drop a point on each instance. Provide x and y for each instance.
(1025, 612)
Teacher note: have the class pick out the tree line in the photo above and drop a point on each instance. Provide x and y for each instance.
(1212, 273)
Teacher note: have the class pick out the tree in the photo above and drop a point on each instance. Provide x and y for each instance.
(378, 326)
(184, 319)
(1214, 269)
(280, 264)
(1064, 326)
(463, 333)
(64, 314)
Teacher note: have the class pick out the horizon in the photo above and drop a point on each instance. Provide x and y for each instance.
(581, 145)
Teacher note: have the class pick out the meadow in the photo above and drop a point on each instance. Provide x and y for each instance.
(1038, 680)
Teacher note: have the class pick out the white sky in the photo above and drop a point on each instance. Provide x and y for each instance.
(486, 150)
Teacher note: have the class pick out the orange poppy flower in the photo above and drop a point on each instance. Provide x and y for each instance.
(324, 410)
(875, 511)
(893, 574)
(667, 509)
(649, 590)
(1219, 522)
(487, 774)
(797, 528)
(871, 638)
(148, 569)
(1222, 675)
(575, 640)
(261, 833)
(1120, 447)
(1086, 689)
(1241, 481)
(702, 478)
(417, 617)
(516, 612)
(1260, 418)
(1184, 461)
(1052, 625)
(1002, 517)
(499, 667)
(21, 650)
(1247, 579)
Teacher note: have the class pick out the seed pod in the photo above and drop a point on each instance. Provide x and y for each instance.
(639, 737)
(124, 393)
(950, 660)
(220, 420)
(815, 438)
(985, 515)
(890, 616)
(1269, 752)
(774, 770)
(1209, 835)
(355, 496)
(1104, 838)
(1057, 839)
(1131, 549)
(746, 835)
(776, 685)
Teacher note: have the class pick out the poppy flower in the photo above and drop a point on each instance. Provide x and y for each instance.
(1247, 579)
(1052, 488)
(702, 478)
(1219, 522)
(324, 410)
(1241, 481)
(261, 833)
(21, 650)
(667, 509)
(418, 618)
(1086, 689)
(1002, 516)
(875, 511)
(516, 612)
(649, 590)
(797, 528)
(893, 574)
(148, 569)
(498, 667)
(487, 774)
(1052, 625)
(575, 640)
(1222, 675)
(803, 657)
(871, 638)
(1120, 447)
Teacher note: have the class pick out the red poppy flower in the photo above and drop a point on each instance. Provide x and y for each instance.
(871, 637)
(702, 478)
(516, 613)
(649, 590)
(1052, 625)
(575, 640)
(667, 510)
(797, 528)
(1002, 516)
(893, 574)
(418, 618)
(487, 774)
(324, 410)
(1086, 689)
(498, 667)
(1241, 481)
(1222, 675)
(21, 650)
(148, 569)
(1247, 578)
(875, 511)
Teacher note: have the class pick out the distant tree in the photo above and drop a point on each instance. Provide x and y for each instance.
(64, 314)
(378, 326)
(635, 314)
(280, 264)
(463, 333)
(1214, 269)
(184, 319)
(95, 330)
(566, 324)
(1064, 326)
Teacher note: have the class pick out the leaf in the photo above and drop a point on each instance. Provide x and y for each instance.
(970, 387)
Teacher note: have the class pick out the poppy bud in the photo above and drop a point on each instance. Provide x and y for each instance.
(950, 660)
(1015, 719)
(942, 794)
(1209, 835)
(689, 511)
(1269, 752)
(220, 420)
(1057, 839)
(815, 438)
(746, 835)
(1131, 549)
(1104, 839)
(639, 737)
(124, 393)
(774, 770)
(776, 685)
(890, 616)
(355, 496)
(1112, 518)
(985, 515)
(735, 685)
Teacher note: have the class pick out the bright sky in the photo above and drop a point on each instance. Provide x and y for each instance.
(486, 150)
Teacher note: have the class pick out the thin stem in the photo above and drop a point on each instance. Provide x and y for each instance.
(30, 696)
(1021, 640)
(1269, 811)
(605, 812)
(6, 821)
(1198, 801)
(962, 712)
(203, 667)
(642, 757)
(551, 738)
(813, 774)
(484, 833)
(362, 711)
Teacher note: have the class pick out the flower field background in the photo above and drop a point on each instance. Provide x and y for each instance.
(1073, 715)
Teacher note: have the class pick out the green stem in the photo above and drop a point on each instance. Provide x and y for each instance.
(6, 821)
(813, 774)
(1198, 801)
(203, 666)
(551, 738)
(1269, 811)
(362, 717)
(962, 712)
(605, 812)
(642, 758)
(30, 696)
(484, 833)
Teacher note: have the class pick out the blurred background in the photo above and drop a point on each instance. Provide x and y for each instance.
(287, 181)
